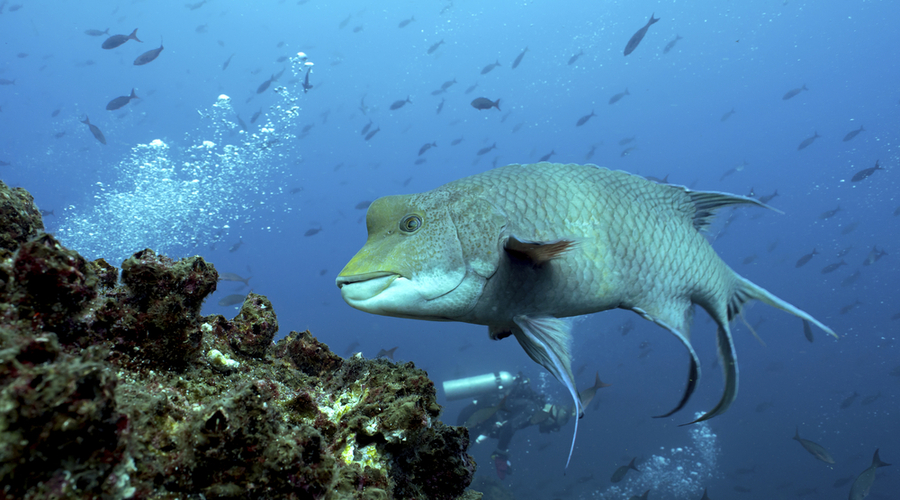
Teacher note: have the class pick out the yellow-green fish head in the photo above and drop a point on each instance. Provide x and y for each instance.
(427, 255)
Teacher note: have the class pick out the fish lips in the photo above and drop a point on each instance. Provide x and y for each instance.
(383, 293)
(365, 286)
(391, 294)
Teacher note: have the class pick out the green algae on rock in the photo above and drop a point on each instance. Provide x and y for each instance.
(115, 389)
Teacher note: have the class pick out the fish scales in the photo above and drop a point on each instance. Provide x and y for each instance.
(518, 247)
(627, 230)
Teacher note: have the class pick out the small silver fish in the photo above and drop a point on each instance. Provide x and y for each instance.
(830, 268)
(581, 121)
(575, 57)
(484, 151)
(863, 483)
(117, 40)
(149, 56)
(426, 147)
(865, 173)
(518, 60)
(95, 131)
(435, 46)
(490, 67)
(848, 402)
(639, 35)
(620, 473)
(234, 277)
(793, 92)
(671, 45)
(853, 133)
(400, 103)
(808, 141)
(387, 353)
(815, 449)
(231, 300)
(118, 102)
(614, 99)
(482, 103)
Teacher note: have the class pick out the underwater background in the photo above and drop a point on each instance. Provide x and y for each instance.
(186, 170)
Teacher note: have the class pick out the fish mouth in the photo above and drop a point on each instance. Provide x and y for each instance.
(365, 286)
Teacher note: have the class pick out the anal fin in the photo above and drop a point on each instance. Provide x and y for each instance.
(728, 357)
(679, 324)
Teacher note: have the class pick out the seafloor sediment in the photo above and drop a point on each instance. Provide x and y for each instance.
(115, 387)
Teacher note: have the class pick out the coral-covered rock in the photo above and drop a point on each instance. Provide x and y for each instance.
(53, 284)
(254, 327)
(158, 318)
(59, 413)
(122, 390)
(106, 273)
(20, 219)
(307, 354)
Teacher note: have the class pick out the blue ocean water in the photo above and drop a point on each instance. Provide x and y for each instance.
(181, 175)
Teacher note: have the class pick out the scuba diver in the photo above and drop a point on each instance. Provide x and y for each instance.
(504, 405)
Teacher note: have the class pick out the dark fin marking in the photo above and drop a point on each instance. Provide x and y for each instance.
(537, 253)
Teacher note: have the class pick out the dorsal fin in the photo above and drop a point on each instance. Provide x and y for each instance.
(706, 203)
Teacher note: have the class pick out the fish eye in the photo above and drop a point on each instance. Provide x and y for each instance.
(410, 223)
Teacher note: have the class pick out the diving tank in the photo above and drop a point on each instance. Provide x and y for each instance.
(479, 385)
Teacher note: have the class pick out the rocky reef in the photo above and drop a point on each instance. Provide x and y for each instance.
(112, 385)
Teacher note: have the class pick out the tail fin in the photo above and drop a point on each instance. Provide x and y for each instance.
(877, 462)
(743, 292)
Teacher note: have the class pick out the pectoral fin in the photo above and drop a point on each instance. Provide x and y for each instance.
(546, 340)
(536, 252)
